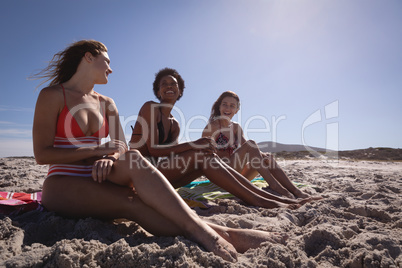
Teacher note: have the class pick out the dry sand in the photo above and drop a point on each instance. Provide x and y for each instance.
(358, 224)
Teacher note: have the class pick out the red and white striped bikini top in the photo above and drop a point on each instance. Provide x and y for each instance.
(69, 133)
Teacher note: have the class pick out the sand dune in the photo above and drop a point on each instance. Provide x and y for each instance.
(358, 224)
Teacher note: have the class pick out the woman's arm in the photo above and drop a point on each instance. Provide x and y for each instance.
(210, 130)
(116, 131)
(239, 132)
(102, 167)
(147, 126)
(48, 106)
(147, 131)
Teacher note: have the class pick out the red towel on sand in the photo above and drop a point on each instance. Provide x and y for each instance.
(16, 203)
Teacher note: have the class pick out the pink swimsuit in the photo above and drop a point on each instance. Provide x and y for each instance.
(70, 135)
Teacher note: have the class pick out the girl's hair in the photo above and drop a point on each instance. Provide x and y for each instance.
(215, 108)
(64, 64)
(164, 72)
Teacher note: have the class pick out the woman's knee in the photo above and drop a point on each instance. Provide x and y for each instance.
(201, 157)
(269, 160)
(134, 155)
(135, 160)
(130, 164)
(251, 144)
(204, 160)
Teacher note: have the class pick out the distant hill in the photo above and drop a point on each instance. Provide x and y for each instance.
(275, 147)
(292, 151)
(380, 153)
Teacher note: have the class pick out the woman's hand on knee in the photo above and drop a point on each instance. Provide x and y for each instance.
(101, 168)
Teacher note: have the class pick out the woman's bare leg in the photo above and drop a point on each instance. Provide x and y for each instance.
(243, 239)
(282, 178)
(219, 173)
(261, 192)
(156, 192)
(248, 172)
(154, 205)
(180, 173)
(81, 197)
(250, 151)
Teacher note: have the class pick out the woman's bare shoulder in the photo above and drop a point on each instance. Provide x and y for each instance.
(213, 123)
(147, 110)
(106, 99)
(175, 123)
(210, 128)
(237, 128)
(148, 105)
(174, 120)
(236, 125)
(54, 94)
(55, 90)
(109, 104)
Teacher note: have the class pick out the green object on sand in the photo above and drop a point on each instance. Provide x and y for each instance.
(202, 191)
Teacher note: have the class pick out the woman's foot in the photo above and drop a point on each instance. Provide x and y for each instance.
(214, 243)
(224, 249)
(276, 187)
(310, 199)
(243, 239)
(300, 194)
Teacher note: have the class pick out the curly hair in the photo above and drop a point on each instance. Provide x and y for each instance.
(164, 72)
(64, 64)
(215, 107)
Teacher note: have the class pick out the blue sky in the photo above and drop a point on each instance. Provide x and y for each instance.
(322, 73)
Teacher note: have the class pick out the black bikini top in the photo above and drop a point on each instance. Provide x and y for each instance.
(161, 130)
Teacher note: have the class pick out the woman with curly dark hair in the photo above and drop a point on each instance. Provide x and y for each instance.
(156, 133)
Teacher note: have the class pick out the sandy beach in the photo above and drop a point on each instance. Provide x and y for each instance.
(358, 224)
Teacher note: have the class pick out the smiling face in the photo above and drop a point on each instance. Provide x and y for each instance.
(102, 68)
(229, 107)
(168, 89)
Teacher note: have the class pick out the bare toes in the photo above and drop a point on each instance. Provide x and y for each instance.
(227, 252)
(282, 238)
(303, 195)
(293, 206)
